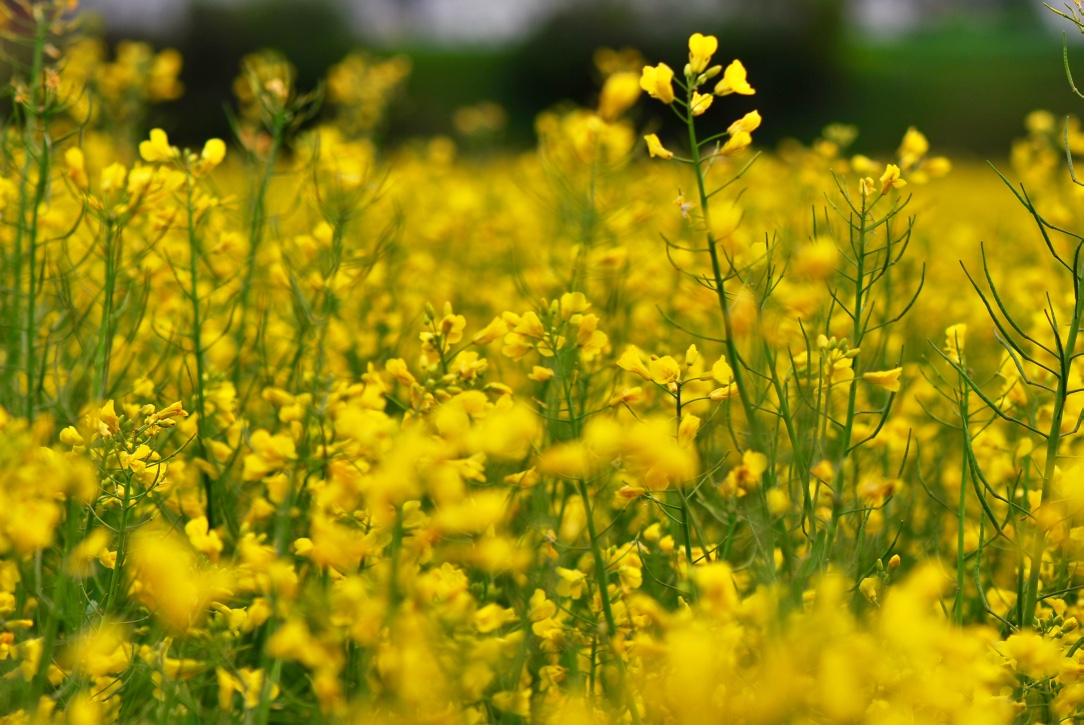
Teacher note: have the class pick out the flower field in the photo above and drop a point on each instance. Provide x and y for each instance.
(632, 427)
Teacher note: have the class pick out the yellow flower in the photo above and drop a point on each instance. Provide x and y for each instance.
(157, 150)
(619, 92)
(890, 179)
(913, 148)
(737, 143)
(540, 374)
(869, 588)
(627, 395)
(887, 379)
(108, 423)
(658, 82)
(214, 151)
(734, 81)
(700, 103)
(746, 124)
(690, 425)
(955, 337)
(701, 48)
(631, 362)
(572, 582)
(655, 147)
(77, 169)
(664, 370)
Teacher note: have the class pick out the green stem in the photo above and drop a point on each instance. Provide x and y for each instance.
(958, 606)
(799, 461)
(100, 386)
(852, 396)
(685, 513)
(255, 237)
(122, 547)
(1053, 439)
(720, 291)
(194, 254)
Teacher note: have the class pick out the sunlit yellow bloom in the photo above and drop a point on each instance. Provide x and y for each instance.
(655, 147)
(157, 150)
(913, 148)
(619, 93)
(887, 379)
(955, 339)
(737, 143)
(890, 179)
(71, 437)
(870, 587)
(701, 48)
(627, 396)
(572, 582)
(664, 370)
(734, 81)
(748, 123)
(77, 169)
(687, 431)
(658, 82)
(108, 422)
(701, 102)
(214, 151)
(630, 361)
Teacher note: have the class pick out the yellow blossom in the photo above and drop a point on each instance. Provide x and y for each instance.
(157, 150)
(734, 81)
(890, 179)
(655, 147)
(748, 123)
(658, 82)
(887, 379)
(619, 92)
(701, 48)
(700, 103)
(737, 143)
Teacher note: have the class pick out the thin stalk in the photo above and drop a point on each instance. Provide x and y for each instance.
(122, 546)
(1053, 439)
(852, 396)
(685, 513)
(958, 606)
(194, 253)
(255, 237)
(792, 433)
(30, 329)
(26, 236)
(100, 386)
(600, 564)
(720, 290)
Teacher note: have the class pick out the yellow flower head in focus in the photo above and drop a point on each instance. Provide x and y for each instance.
(734, 81)
(737, 143)
(746, 124)
(157, 150)
(700, 103)
(658, 82)
(890, 179)
(701, 48)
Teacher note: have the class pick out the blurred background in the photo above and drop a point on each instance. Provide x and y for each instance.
(965, 72)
